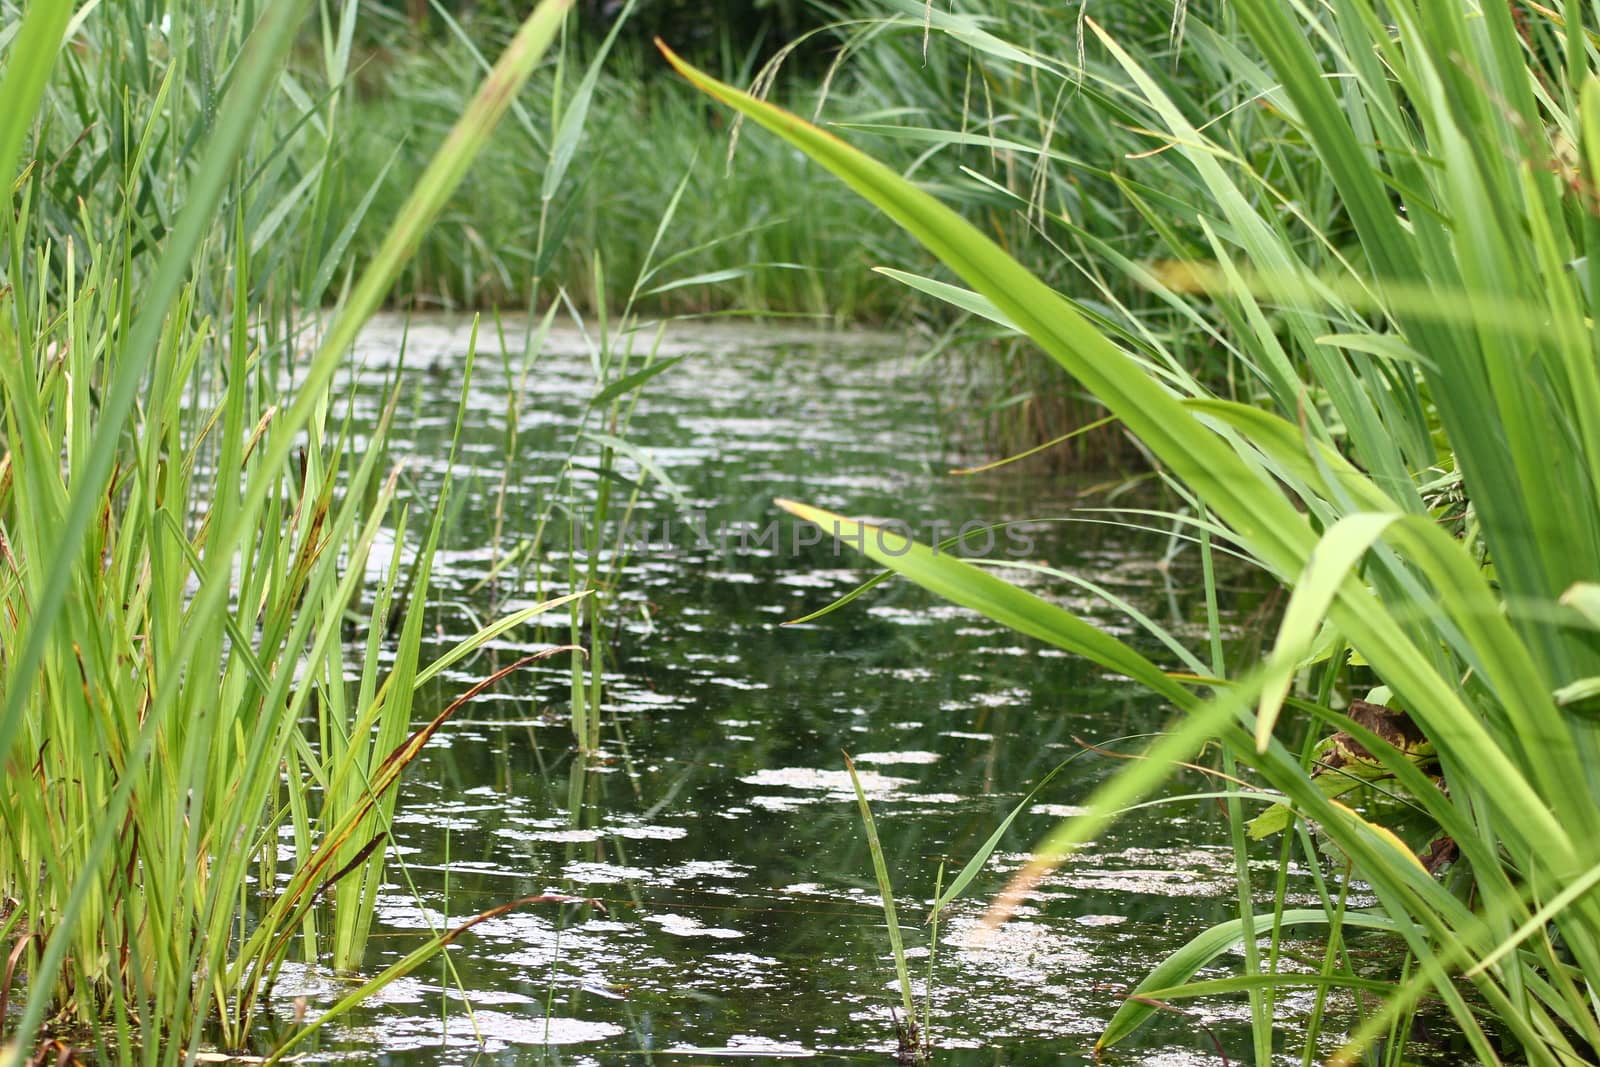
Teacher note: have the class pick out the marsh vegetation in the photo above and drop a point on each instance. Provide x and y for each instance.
(1249, 715)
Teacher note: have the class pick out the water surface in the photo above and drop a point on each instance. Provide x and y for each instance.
(717, 827)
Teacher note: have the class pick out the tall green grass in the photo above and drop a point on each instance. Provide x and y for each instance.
(731, 248)
(1384, 215)
(1042, 165)
(186, 517)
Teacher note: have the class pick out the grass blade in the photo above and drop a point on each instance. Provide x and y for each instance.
(880, 870)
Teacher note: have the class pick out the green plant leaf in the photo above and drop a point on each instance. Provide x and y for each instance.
(628, 383)
(972, 587)
(880, 870)
(570, 130)
(1175, 971)
(1335, 556)
(954, 295)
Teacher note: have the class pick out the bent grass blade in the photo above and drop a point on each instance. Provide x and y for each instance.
(1174, 973)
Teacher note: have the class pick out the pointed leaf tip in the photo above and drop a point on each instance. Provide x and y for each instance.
(672, 57)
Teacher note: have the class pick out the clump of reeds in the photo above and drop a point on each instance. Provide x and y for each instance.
(186, 518)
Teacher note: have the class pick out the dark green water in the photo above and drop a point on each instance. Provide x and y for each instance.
(717, 826)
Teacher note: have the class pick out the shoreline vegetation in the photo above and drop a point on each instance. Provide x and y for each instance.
(1395, 248)
(1328, 271)
(183, 536)
(652, 150)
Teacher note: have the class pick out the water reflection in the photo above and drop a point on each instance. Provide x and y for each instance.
(716, 826)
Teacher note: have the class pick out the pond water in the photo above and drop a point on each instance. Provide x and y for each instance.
(717, 826)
